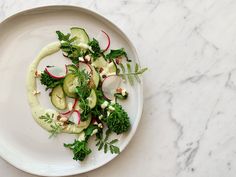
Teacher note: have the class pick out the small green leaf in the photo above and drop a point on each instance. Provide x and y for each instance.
(105, 148)
(130, 78)
(100, 146)
(136, 67)
(111, 149)
(142, 70)
(116, 149)
(113, 141)
(123, 71)
(98, 143)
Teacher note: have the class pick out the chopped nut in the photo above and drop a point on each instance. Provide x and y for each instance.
(118, 60)
(119, 90)
(63, 119)
(35, 92)
(37, 74)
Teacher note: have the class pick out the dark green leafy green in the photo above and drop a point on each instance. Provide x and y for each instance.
(83, 91)
(70, 50)
(80, 149)
(117, 53)
(96, 48)
(50, 82)
(118, 120)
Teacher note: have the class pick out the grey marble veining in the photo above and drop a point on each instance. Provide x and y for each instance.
(188, 125)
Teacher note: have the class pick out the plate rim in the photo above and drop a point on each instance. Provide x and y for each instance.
(140, 104)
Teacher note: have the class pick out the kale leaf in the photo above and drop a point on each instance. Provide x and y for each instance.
(48, 81)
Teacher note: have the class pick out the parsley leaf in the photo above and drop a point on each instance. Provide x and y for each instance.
(117, 53)
(96, 48)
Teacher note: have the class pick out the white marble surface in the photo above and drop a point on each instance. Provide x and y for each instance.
(188, 125)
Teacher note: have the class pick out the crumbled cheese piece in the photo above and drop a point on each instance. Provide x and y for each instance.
(35, 92)
(94, 132)
(100, 117)
(87, 57)
(123, 92)
(113, 102)
(108, 113)
(85, 46)
(65, 54)
(104, 104)
(81, 59)
(100, 125)
(95, 123)
(111, 108)
(81, 136)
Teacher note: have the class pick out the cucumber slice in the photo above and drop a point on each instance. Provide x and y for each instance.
(111, 67)
(80, 33)
(100, 62)
(69, 85)
(92, 99)
(71, 68)
(95, 77)
(58, 98)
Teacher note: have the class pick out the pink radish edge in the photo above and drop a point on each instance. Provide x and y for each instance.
(53, 76)
(103, 88)
(65, 113)
(108, 40)
(84, 63)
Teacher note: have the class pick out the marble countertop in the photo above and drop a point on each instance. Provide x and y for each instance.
(188, 125)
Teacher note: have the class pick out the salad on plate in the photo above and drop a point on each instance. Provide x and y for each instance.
(86, 93)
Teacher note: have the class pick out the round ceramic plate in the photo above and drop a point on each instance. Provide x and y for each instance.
(23, 143)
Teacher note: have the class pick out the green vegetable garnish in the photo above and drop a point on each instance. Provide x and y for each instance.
(117, 53)
(49, 82)
(118, 120)
(80, 149)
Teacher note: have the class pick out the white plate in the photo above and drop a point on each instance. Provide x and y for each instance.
(23, 143)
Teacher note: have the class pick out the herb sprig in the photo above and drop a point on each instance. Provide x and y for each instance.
(129, 74)
(105, 144)
(55, 127)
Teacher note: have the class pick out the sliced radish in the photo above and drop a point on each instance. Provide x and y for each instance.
(74, 104)
(85, 66)
(75, 117)
(66, 69)
(65, 113)
(109, 86)
(104, 40)
(56, 72)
